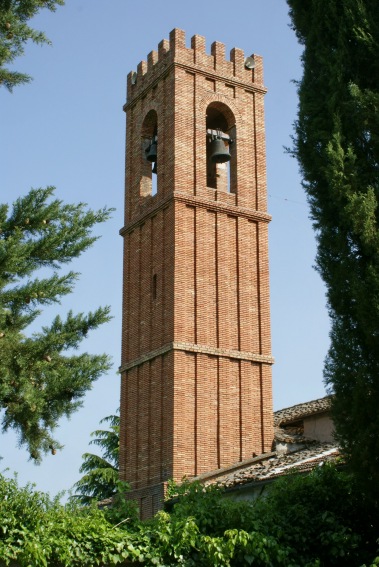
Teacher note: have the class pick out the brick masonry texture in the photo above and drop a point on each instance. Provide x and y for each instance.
(196, 348)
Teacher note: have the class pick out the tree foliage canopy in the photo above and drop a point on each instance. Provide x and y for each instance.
(337, 145)
(15, 33)
(41, 378)
(314, 521)
(101, 472)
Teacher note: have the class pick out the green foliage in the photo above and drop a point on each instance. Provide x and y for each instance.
(337, 145)
(318, 520)
(122, 512)
(41, 380)
(101, 479)
(101, 472)
(321, 516)
(38, 531)
(214, 514)
(180, 541)
(207, 529)
(15, 33)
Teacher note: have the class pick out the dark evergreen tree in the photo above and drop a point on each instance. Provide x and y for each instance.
(15, 33)
(101, 473)
(337, 145)
(41, 379)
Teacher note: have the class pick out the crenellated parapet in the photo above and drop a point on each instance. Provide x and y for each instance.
(215, 64)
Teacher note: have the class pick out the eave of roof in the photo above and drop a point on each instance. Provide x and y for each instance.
(300, 411)
(275, 465)
(307, 453)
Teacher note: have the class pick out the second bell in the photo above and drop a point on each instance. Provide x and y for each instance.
(219, 152)
(151, 152)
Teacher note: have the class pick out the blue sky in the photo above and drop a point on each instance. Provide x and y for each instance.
(67, 129)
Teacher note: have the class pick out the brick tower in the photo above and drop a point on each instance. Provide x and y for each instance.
(196, 353)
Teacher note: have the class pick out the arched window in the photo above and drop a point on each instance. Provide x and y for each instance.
(149, 154)
(220, 125)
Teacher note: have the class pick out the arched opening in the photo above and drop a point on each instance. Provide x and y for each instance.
(220, 125)
(149, 154)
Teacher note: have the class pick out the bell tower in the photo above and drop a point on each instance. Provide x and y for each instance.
(196, 352)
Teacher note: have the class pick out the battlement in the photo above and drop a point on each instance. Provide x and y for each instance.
(214, 64)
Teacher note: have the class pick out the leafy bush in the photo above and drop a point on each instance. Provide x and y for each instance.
(312, 520)
(319, 520)
(38, 531)
(320, 516)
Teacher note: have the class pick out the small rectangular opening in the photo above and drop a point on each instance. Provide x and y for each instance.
(211, 84)
(232, 90)
(154, 286)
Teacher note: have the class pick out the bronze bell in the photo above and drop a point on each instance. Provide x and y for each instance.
(151, 152)
(219, 152)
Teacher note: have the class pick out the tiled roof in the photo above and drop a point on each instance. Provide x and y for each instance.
(295, 413)
(268, 466)
(284, 436)
(276, 465)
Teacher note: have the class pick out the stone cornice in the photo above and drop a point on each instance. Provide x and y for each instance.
(222, 207)
(196, 201)
(200, 349)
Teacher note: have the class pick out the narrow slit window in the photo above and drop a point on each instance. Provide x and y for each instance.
(154, 286)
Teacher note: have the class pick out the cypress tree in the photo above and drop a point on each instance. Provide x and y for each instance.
(337, 144)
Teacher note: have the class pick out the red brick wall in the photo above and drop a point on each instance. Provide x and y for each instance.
(196, 350)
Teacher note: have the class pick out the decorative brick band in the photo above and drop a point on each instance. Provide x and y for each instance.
(145, 357)
(198, 202)
(201, 349)
(218, 206)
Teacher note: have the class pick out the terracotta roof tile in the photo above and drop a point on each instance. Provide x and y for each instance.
(303, 460)
(288, 430)
(299, 411)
